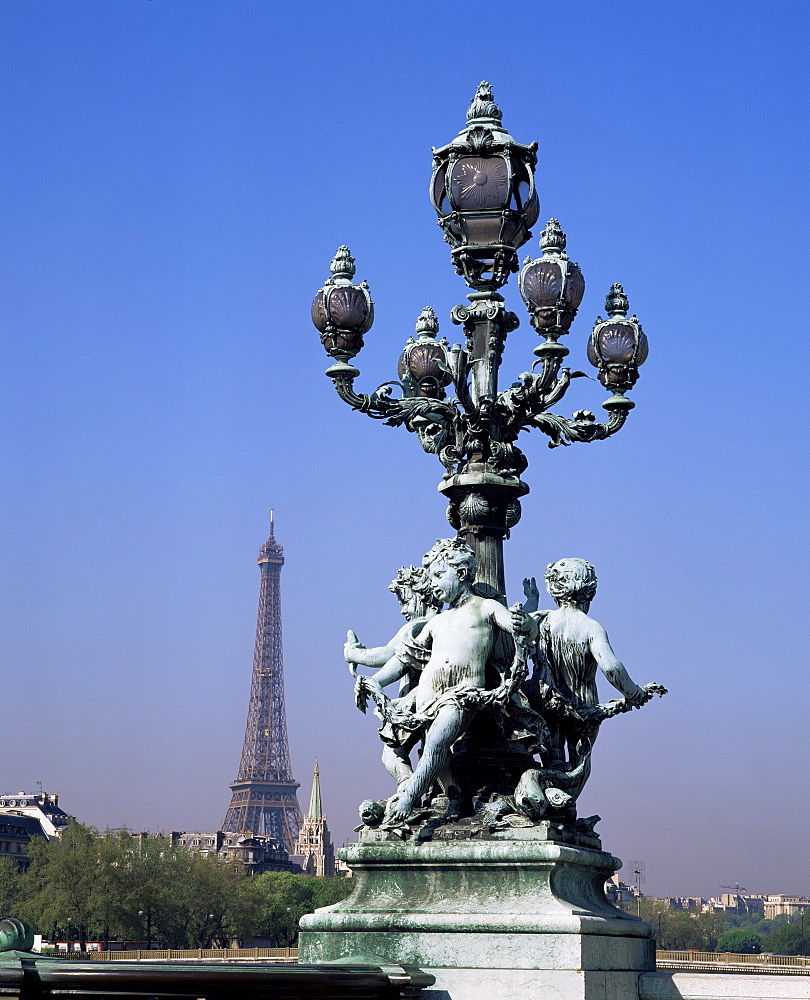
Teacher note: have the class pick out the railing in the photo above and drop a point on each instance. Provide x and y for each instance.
(664, 959)
(188, 955)
(729, 961)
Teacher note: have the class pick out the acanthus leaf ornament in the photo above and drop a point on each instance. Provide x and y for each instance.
(483, 104)
(480, 140)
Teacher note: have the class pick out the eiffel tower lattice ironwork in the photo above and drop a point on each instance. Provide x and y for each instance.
(264, 800)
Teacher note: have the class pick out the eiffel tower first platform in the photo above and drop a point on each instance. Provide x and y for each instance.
(264, 801)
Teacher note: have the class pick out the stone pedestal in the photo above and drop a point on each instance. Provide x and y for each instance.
(496, 919)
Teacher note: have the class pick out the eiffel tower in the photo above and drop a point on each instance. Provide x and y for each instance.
(264, 800)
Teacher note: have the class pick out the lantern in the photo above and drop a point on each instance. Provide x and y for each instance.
(423, 365)
(483, 192)
(552, 286)
(342, 311)
(617, 345)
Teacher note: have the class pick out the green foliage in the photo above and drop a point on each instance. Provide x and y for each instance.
(742, 934)
(741, 942)
(10, 887)
(787, 940)
(679, 929)
(66, 879)
(116, 885)
(285, 898)
(328, 891)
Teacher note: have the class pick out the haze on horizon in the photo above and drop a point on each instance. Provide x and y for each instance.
(176, 181)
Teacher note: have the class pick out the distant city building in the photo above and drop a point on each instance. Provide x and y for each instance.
(42, 806)
(686, 902)
(24, 817)
(314, 851)
(619, 892)
(780, 903)
(16, 833)
(257, 854)
(740, 903)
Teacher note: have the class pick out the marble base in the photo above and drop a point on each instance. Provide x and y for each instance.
(495, 919)
(545, 984)
(719, 986)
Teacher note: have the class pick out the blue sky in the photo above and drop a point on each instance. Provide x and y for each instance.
(176, 177)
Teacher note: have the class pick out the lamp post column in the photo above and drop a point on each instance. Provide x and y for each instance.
(484, 505)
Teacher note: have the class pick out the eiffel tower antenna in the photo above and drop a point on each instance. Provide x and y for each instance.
(264, 800)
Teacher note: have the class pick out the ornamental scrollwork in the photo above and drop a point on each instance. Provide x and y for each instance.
(459, 430)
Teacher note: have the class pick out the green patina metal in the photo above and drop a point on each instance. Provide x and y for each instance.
(478, 867)
(28, 975)
(483, 192)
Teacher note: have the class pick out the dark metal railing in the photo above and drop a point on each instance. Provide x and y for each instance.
(27, 976)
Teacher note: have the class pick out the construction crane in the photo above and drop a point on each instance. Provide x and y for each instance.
(742, 905)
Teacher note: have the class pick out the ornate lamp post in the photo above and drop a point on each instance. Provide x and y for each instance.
(483, 192)
(482, 831)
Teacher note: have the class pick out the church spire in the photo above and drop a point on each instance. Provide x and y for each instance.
(315, 810)
(314, 851)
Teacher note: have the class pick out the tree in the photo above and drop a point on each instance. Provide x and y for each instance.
(11, 887)
(786, 940)
(122, 885)
(679, 929)
(712, 925)
(327, 891)
(243, 916)
(285, 898)
(154, 891)
(212, 891)
(108, 897)
(740, 942)
(64, 879)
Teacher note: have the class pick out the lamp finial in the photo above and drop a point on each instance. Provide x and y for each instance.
(483, 104)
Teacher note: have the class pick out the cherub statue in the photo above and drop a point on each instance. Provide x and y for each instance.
(412, 588)
(451, 652)
(570, 647)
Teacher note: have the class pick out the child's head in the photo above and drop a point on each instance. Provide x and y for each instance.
(413, 590)
(453, 552)
(571, 581)
(451, 565)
